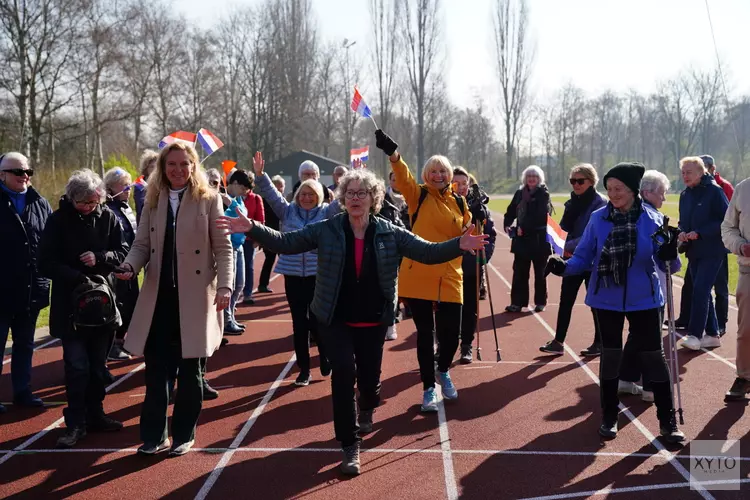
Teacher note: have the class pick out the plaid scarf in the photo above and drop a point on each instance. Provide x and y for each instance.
(619, 248)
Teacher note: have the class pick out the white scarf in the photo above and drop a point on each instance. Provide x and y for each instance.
(174, 200)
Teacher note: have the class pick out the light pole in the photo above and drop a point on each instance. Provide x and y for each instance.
(347, 44)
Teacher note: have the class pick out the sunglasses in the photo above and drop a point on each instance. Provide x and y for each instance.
(580, 182)
(20, 171)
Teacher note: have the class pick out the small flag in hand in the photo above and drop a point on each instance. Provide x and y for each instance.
(359, 106)
(209, 141)
(361, 154)
(227, 166)
(179, 136)
(555, 236)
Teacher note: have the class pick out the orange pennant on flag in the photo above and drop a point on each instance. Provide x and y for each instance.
(227, 166)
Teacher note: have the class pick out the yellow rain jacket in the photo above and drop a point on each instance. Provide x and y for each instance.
(439, 219)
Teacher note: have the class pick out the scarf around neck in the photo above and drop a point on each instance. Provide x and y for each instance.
(619, 248)
(575, 206)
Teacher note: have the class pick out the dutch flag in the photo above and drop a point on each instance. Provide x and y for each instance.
(359, 106)
(209, 141)
(359, 154)
(555, 235)
(179, 136)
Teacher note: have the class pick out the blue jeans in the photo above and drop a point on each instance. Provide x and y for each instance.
(704, 272)
(23, 326)
(249, 248)
(239, 283)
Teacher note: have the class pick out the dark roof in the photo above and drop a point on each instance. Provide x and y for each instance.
(289, 165)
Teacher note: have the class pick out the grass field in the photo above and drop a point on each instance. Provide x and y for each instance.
(670, 209)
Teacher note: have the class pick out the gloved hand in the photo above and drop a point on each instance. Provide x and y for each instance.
(385, 143)
(668, 249)
(555, 265)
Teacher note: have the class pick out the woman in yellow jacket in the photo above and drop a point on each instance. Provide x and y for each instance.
(437, 214)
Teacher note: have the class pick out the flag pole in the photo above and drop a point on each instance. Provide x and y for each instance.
(373, 122)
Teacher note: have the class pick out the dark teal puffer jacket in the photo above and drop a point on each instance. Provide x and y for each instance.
(328, 238)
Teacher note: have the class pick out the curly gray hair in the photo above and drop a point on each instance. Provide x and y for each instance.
(84, 183)
(367, 181)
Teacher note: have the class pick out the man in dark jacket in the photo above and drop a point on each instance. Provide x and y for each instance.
(23, 291)
(272, 221)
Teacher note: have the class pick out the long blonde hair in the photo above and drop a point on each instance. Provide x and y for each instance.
(197, 183)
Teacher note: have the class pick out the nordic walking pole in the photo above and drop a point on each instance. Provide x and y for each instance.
(476, 326)
(492, 309)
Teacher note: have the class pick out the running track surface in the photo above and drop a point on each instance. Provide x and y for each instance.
(522, 428)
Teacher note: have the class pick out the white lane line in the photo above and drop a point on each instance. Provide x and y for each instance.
(42, 346)
(56, 423)
(504, 362)
(451, 489)
(652, 439)
(228, 454)
(633, 489)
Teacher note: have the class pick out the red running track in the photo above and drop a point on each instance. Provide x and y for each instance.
(522, 428)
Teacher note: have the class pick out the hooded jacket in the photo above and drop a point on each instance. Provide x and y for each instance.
(702, 209)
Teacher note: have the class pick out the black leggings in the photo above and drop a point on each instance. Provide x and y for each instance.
(645, 335)
(447, 317)
(469, 310)
(299, 295)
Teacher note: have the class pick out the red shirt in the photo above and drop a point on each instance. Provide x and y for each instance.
(725, 185)
(255, 210)
(359, 253)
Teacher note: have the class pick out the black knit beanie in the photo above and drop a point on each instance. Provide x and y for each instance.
(629, 173)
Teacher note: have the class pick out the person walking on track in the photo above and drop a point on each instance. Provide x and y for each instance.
(82, 242)
(584, 200)
(177, 320)
(299, 270)
(434, 293)
(24, 291)
(619, 247)
(735, 232)
(529, 208)
(355, 294)
(272, 221)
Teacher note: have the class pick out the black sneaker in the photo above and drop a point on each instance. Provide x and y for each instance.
(248, 301)
(365, 421)
(592, 350)
(28, 399)
(264, 289)
(350, 464)
(325, 367)
(117, 353)
(553, 347)
(539, 308)
(71, 437)
(513, 308)
(737, 392)
(232, 329)
(608, 429)
(103, 423)
(669, 431)
(303, 379)
(153, 448)
(209, 393)
(466, 355)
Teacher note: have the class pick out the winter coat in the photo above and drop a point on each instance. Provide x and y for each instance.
(292, 217)
(139, 196)
(735, 230)
(327, 237)
(126, 218)
(470, 261)
(724, 185)
(66, 236)
(641, 290)
(440, 219)
(204, 265)
(576, 230)
(702, 209)
(23, 288)
(233, 210)
(533, 222)
(391, 213)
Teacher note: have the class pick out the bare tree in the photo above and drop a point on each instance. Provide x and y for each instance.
(513, 61)
(421, 29)
(330, 95)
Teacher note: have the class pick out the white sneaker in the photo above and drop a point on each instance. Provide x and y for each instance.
(692, 342)
(647, 397)
(709, 341)
(391, 333)
(624, 387)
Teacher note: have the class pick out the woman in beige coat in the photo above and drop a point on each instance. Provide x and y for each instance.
(176, 322)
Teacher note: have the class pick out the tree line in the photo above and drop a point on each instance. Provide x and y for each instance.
(84, 79)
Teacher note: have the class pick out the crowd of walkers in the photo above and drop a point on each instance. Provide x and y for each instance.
(357, 257)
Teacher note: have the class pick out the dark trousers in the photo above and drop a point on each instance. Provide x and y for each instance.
(519, 293)
(568, 295)
(447, 317)
(23, 326)
(721, 290)
(249, 255)
(84, 357)
(704, 272)
(299, 295)
(265, 272)
(646, 341)
(469, 316)
(356, 355)
(631, 369)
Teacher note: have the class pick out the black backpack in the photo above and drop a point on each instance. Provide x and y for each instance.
(94, 306)
(423, 194)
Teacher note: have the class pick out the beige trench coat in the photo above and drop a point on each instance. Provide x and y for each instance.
(204, 264)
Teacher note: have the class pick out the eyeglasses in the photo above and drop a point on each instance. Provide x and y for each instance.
(84, 203)
(580, 182)
(213, 183)
(361, 194)
(20, 171)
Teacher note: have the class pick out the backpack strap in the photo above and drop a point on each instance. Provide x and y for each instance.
(422, 196)
(460, 202)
